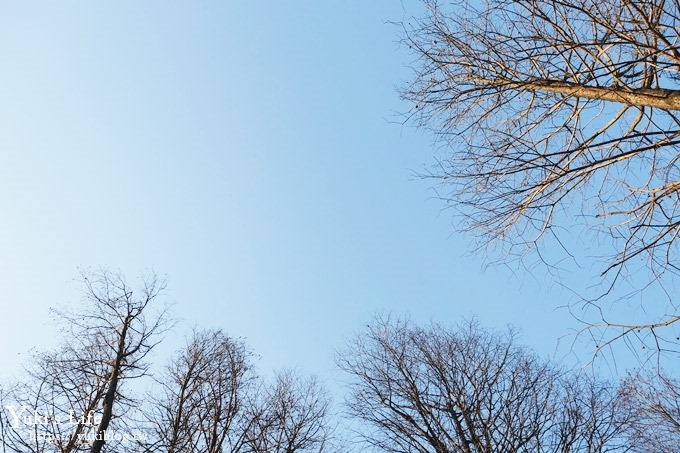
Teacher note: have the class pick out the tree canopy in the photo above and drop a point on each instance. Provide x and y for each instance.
(467, 389)
(559, 115)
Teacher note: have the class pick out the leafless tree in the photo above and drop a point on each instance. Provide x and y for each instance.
(591, 417)
(292, 415)
(75, 395)
(203, 394)
(209, 399)
(654, 401)
(556, 110)
(469, 390)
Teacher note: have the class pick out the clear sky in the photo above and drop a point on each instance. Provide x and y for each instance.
(249, 151)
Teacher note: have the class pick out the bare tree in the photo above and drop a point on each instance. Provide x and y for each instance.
(75, 395)
(555, 110)
(208, 399)
(211, 400)
(654, 401)
(591, 417)
(204, 389)
(433, 390)
(292, 415)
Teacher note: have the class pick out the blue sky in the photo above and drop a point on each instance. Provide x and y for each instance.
(249, 151)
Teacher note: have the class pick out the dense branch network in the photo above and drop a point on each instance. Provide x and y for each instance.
(431, 389)
(558, 110)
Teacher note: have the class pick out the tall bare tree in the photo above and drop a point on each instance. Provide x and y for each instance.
(654, 401)
(209, 399)
(75, 395)
(556, 110)
(292, 415)
(203, 394)
(434, 390)
(591, 417)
